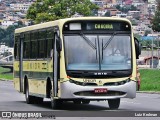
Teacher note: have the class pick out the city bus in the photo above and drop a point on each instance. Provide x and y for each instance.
(76, 59)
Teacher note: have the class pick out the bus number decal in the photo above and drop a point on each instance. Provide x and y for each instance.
(89, 80)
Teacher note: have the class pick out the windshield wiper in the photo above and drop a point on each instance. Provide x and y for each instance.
(110, 39)
(88, 41)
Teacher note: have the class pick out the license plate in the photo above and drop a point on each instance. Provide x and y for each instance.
(100, 90)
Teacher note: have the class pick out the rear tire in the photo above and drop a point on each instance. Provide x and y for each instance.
(114, 103)
(29, 99)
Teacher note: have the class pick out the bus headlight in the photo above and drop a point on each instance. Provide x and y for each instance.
(117, 83)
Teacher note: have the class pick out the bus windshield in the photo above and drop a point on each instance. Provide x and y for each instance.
(97, 51)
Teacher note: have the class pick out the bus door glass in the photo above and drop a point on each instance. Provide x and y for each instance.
(56, 61)
(21, 62)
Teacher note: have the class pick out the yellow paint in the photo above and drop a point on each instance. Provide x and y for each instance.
(35, 66)
(37, 86)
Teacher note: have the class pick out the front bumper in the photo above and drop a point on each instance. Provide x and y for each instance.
(73, 91)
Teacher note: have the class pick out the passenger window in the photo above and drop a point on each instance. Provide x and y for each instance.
(42, 44)
(50, 39)
(26, 46)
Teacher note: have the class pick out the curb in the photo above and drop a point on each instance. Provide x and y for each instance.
(6, 80)
(149, 92)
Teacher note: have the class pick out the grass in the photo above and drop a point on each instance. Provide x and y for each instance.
(5, 74)
(150, 79)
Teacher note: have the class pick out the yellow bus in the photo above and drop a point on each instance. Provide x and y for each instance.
(76, 59)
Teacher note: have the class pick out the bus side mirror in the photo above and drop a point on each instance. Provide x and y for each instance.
(138, 47)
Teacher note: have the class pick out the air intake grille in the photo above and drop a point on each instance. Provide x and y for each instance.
(91, 93)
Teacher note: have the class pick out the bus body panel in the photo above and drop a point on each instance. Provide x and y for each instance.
(17, 84)
(37, 87)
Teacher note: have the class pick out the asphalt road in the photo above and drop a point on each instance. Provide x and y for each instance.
(11, 100)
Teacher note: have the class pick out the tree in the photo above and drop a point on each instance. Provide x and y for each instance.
(147, 32)
(156, 19)
(125, 8)
(10, 35)
(107, 14)
(7, 35)
(133, 8)
(2, 33)
(118, 7)
(47, 10)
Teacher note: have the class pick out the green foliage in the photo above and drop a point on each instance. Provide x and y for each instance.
(137, 36)
(2, 33)
(133, 8)
(156, 19)
(134, 22)
(7, 35)
(47, 10)
(43, 17)
(147, 32)
(107, 14)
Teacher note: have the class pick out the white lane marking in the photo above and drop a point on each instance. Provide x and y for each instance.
(130, 102)
(150, 96)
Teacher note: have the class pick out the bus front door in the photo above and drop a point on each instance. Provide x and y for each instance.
(21, 63)
(56, 69)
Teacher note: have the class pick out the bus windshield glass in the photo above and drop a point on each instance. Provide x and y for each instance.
(97, 51)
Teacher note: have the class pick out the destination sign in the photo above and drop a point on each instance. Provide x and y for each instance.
(103, 26)
(97, 25)
(111, 26)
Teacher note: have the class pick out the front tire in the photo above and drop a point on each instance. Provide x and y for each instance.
(85, 101)
(77, 101)
(55, 103)
(38, 100)
(114, 103)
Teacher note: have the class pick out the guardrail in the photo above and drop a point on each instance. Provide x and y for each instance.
(7, 62)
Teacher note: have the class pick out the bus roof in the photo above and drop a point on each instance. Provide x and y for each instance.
(62, 21)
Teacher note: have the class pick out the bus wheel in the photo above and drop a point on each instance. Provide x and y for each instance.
(29, 99)
(85, 101)
(38, 100)
(55, 103)
(77, 101)
(114, 103)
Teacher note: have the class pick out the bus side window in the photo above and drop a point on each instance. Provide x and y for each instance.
(16, 47)
(42, 44)
(34, 45)
(50, 39)
(26, 46)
